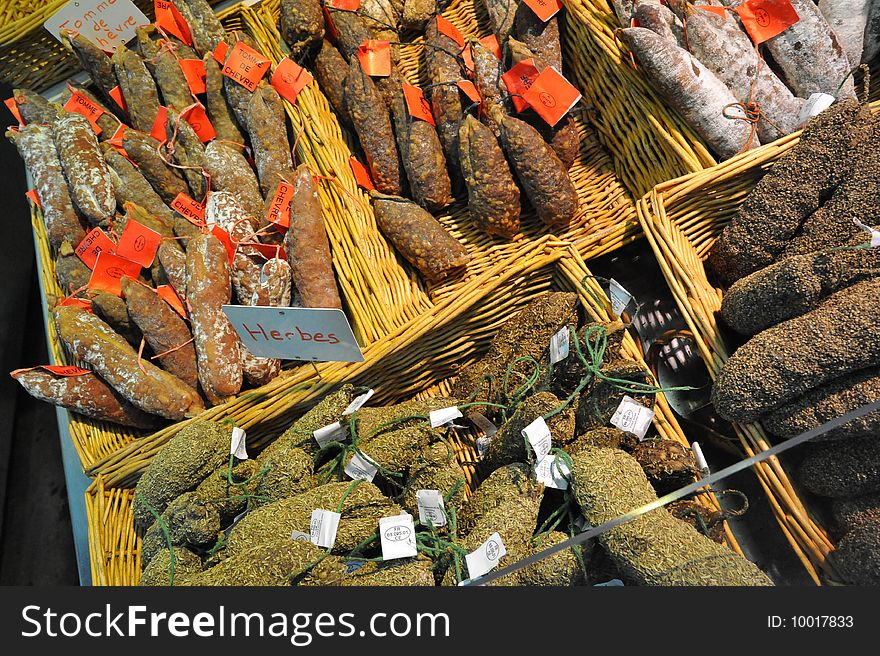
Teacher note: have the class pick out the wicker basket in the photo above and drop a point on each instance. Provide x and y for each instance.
(416, 362)
(382, 293)
(682, 219)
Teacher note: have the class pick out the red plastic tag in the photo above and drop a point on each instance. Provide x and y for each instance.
(225, 239)
(34, 198)
(194, 72)
(198, 119)
(167, 294)
(220, 52)
(361, 174)
(13, 108)
(416, 104)
(544, 9)
(83, 303)
(764, 19)
(491, 43)
(468, 56)
(82, 105)
(158, 130)
(551, 95)
(189, 209)
(168, 18)
(93, 244)
(116, 140)
(64, 370)
(109, 271)
(720, 11)
(518, 80)
(270, 251)
(450, 30)
(469, 90)
(345, 5)
(375, 57)
(332, 34)
(138, 243)
(246, 66)
(279, 208)
(289, 79)
(118, 98)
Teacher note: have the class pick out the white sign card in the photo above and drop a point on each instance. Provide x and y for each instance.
(316, 334)
(559, 346)
(551, 473)
(106, 23)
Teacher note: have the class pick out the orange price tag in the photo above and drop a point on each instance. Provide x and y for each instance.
(158, 130)
(444, 26)
(518, 80)
(82, 105)
(167, 294)
(194, 72)
(198, 119)
(721, 11)
(109, 271)
(279, 208)
(168, 18)
(416, 104)
(289, 79)
(116, 140)
(270, 251)
(468, 56)
(13, 108)
(138, 243)
(246, 66)
(225, 239)
(551, 95)
(544, 9)
(64, 370)
(93, 244)
(220, 52)
(189, 209)
(375, 57)
(345, 5)
(764, 19)
(361, 174)
(491, 44)
(83, 303)
(34, 198)
(118, 98)
(332, 34)
(467, 87)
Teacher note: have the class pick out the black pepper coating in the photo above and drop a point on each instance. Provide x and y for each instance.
(301, 24)
(268, 133)
(791, 358)
(849, 468)
(138, 88)
(851, 512)
(790, 193)
(419, 237)
(330, 70)
(493, 197)
(858, 555)
(372, 123)
(445, 69)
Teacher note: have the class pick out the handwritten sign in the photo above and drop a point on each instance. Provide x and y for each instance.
(316, 334)
(106, 23)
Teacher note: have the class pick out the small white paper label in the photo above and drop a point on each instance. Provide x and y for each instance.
(106, 24)
(538, 435)
(702, 465)
(620, 298)
(361, 468)
(559, 346)
(613, 583)
(431, 507)
(483, 423)
(482, 446)
(815, 105)
(299, 536)
(330, 433)
(486, 557)
(632, 417)
(875, 234)
(358, 402)
(238, 443)
(547, 471)
(398, 536)
(322, 529)
(444, 416)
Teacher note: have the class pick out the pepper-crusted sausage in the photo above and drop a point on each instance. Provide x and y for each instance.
(208, 288)
(330, 69)
(37, 148)
(140, 382)
(301, 24)
(308, 248)
(84, 168)
(444, 70)
(137, 87)
(373, 126)
(163, 329)
(87, 395)
(268, 133)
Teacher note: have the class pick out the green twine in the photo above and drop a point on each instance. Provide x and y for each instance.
(172, 560)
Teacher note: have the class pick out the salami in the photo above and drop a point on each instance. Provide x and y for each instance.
(138, 86)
